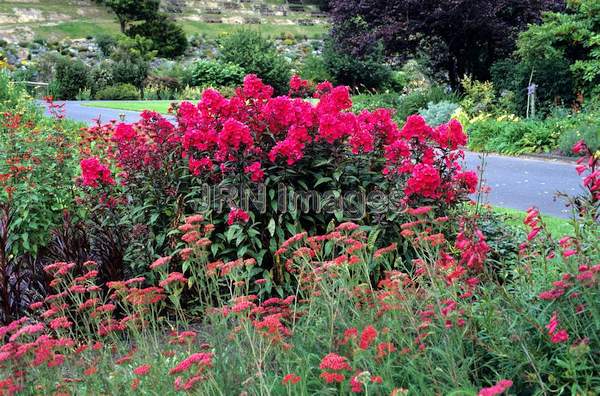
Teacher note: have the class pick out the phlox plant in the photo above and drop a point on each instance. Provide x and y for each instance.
(253, 138)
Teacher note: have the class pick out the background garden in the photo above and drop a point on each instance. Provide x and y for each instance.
(112, 281)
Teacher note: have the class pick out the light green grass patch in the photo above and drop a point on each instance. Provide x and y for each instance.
(160, 106)
(557, 226)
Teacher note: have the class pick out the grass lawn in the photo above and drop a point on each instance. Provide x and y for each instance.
(160, 106)
(557, 226)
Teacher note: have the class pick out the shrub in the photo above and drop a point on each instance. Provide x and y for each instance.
(257, 55)
(305, 145)
(479, 97)
(411, 103)
(101, 76)
(207, 73)
(314, 69)
(368, 71)
(438, 113)
(106, 43)
(168, 38)
(581, 126)
(71, 77)
(552, 77)
(512, 136)
(118, 92)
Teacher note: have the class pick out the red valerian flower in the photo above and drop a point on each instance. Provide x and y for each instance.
(291, 379)
(93, 173)
(333, 361)
(497, 389)
(237, 214)
(368, 335)
(202, 360)
(173, 277)
(142, 370)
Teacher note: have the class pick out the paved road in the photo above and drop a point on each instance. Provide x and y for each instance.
(76, 111)
(516, 183)
(519, 183)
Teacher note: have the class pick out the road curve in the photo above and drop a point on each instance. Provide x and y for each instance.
(515, 182)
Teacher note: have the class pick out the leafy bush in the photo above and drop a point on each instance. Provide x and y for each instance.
(118, 92)
(257, 55)
(101, 76)
(37, 166)
(71, 77)
(411, 103)
(552, 77)
(512, 136)
(478, 97)
(368, 71)
(584, 125)
(106, 43)
(314, 69)
(323, 153)
(438, 113)
(207, 73)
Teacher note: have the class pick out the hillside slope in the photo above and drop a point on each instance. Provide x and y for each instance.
(26, 20)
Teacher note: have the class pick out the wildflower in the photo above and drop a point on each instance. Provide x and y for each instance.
(135, 383)
(173, 277)
(560, 336)
(161, 262)
(332, 377)
(419, 211)
(60, 323)
(291, 379)
(333, 361)
(385, 348)
(368, 335)
(202, 360)
(142, 370)
(497, 389)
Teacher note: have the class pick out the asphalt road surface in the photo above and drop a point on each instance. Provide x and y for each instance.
(515, 182)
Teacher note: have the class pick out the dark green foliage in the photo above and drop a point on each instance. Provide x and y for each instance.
(101, 76)
(118, 92)
(257, 55)
(512, 137)
(128, 11)
(106, 43)
(570, 38)
(216, 74)
(168, 38)
(365, 71)
(71, 77)
(468, 36)
(314, 69)
(555, 85)
(131, 61)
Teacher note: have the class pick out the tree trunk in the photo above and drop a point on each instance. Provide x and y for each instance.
(122, 23)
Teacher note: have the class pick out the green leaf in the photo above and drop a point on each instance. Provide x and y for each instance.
(271, 227)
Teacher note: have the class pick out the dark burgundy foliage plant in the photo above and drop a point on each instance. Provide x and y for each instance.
(22, 279)
(473, 33)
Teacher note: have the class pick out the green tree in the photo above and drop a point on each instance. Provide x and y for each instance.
(573, 37)
(71, 76)
(168, 37)
(131, 61)
(257, 55)
(128, 11)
